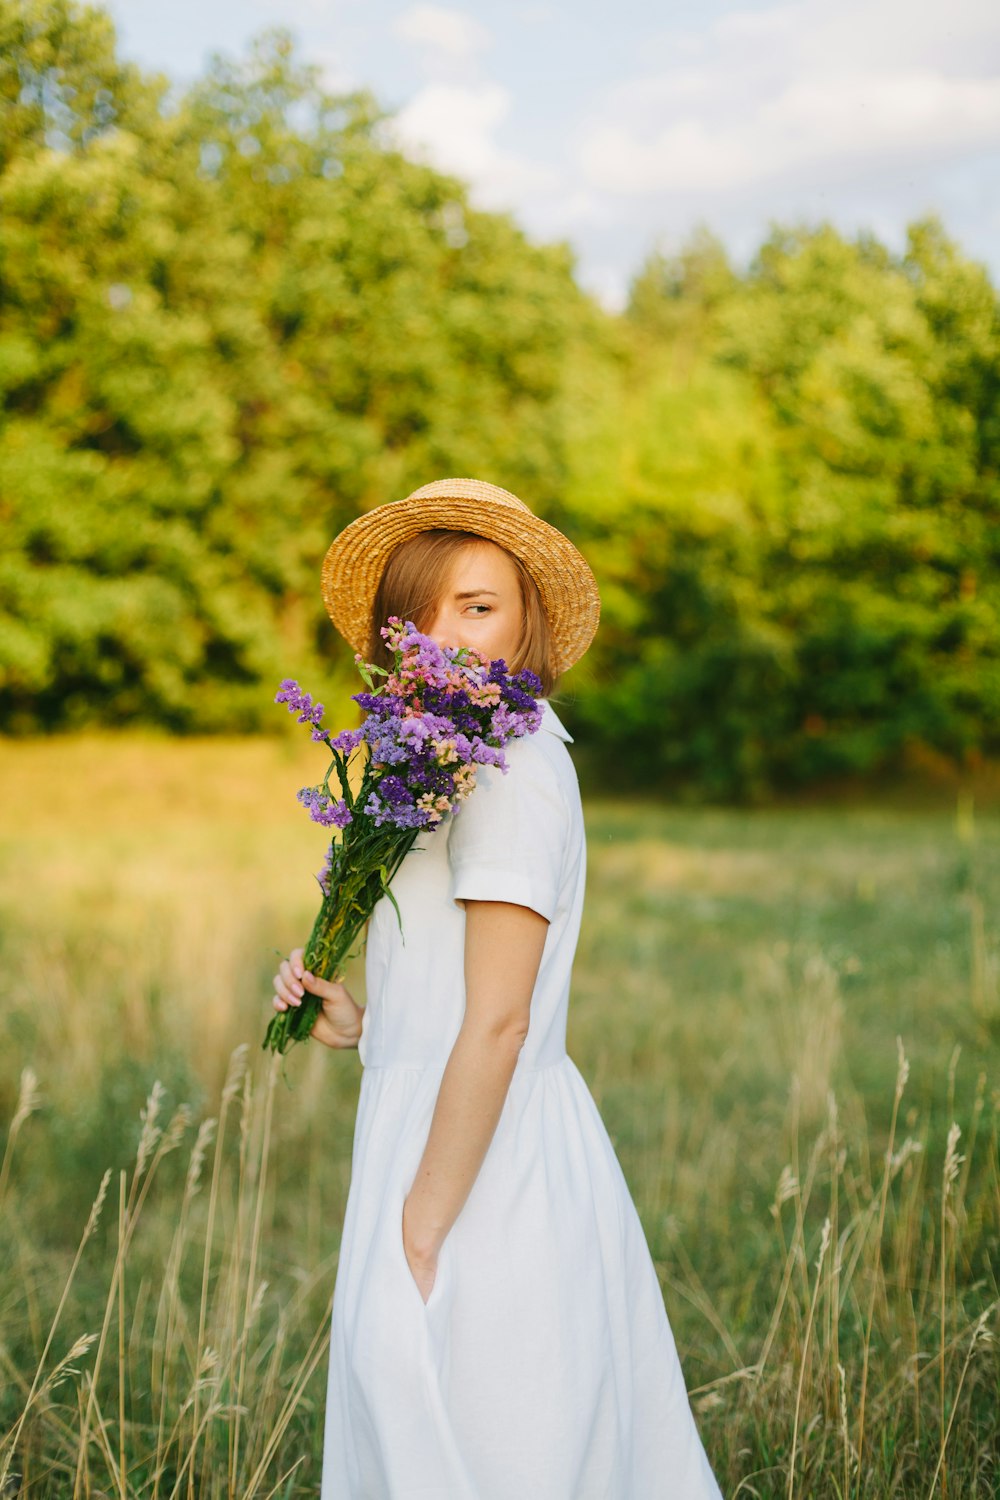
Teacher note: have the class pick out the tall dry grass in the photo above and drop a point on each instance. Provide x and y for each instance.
(790, 1023)
(192, 1373)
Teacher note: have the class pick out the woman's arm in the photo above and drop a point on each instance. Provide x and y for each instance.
(503, 949)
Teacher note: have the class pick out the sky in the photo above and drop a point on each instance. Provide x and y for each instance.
(621, 125)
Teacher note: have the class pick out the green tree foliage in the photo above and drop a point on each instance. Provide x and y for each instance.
(805, 548)
(226, 325)
(232, 318)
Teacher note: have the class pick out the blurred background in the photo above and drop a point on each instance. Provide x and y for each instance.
(715, 292)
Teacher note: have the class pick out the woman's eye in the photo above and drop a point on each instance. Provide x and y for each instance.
(485, 607)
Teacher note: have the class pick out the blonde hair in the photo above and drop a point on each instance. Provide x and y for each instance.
(415, 577)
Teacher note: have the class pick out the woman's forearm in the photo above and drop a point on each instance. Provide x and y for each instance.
(503, 949)
(470, 1100)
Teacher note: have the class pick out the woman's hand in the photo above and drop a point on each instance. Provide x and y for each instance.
(339, 1022)
(421, 1261)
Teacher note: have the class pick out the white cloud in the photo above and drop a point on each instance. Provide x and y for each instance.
(452, 122)
(849, 122)
(452, 126)
(576, 206)
(608, 284)
(338, 77)
(865, 112)
(449, 36)
(798, 93)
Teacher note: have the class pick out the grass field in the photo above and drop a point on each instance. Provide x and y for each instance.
(823, 1208)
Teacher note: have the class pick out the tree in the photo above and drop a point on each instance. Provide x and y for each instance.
(228, 325)
(802, 558)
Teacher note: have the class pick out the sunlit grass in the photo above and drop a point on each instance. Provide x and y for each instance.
(828, 1259)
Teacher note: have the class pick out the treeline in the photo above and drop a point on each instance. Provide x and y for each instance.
(232, 318)
(799, 528)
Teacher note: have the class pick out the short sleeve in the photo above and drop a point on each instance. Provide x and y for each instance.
(507, 842)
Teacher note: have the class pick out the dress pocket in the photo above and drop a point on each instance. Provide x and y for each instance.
(440, 1274)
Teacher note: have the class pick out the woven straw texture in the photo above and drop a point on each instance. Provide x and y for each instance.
(355, 560)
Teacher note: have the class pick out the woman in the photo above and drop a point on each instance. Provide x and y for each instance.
(498, 1328)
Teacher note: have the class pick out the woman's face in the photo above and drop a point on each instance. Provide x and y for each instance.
(481, 605)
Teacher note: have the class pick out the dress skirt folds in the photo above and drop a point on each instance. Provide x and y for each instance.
(542, 1366)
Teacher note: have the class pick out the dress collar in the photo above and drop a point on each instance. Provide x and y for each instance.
(552, 722)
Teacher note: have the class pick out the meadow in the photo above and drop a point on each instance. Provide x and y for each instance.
(789, 1017)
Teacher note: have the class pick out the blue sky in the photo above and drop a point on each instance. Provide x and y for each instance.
(620, 125)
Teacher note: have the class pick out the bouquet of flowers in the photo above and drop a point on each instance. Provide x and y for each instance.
(435, 716)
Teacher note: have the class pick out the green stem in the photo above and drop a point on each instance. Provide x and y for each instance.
(360, 875)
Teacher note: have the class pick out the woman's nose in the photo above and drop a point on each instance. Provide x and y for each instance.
(437, 630)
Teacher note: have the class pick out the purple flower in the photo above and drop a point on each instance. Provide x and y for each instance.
(324, 875)
(300, 703)
(322, 808)
(414, 731)
(347, 740)
(426, 727)
(378, 703)
(382, 733)
(488, 755)
(429, 723)
(341, 815)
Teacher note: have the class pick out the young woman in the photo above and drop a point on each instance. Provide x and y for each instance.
(498, 1328)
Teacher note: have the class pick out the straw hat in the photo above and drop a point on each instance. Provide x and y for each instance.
(354, 563)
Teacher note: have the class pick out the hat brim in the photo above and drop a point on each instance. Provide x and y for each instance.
(356, 558)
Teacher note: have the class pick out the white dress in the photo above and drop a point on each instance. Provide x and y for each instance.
(542, 1366)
